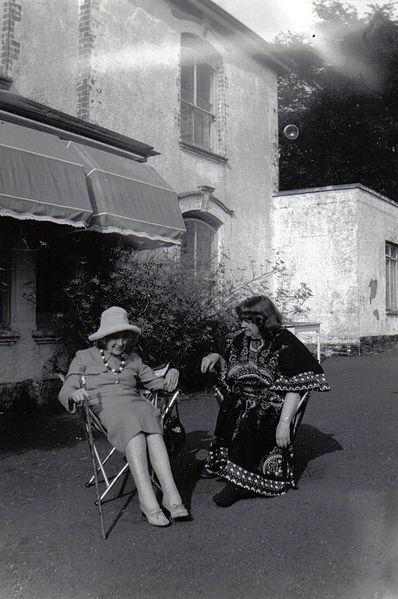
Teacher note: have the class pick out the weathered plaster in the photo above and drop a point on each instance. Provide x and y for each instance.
(119, 67)
(334, 240)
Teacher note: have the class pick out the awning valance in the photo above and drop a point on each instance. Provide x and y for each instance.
(44, 177)
(129, 197)
(39, 179)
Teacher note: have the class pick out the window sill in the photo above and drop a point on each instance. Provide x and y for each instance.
(203, 152)
(45, 336)
(8, 337)
(392, 312)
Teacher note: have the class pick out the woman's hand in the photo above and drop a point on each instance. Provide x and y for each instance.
(172, 378)
(209, 362)
(78, 397)
(283, 434)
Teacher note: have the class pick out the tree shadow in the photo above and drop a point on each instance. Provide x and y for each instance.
(20, 432)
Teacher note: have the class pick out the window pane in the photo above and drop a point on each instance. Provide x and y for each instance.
(188, 245)
(202, 129)
(391, 276)
(204, 244)
(186, 123)
(204, 75)
(187, 83)
(197, 247)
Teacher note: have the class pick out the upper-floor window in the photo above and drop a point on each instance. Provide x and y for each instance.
(198, 250)
(198, 93)
(391, 276)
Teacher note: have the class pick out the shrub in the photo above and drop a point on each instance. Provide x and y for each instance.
(182, 316)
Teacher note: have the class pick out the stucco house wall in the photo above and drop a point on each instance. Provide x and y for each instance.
(333, 239)
(377, 223)
(117, 64)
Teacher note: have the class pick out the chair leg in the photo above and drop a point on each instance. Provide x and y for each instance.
(103, 462)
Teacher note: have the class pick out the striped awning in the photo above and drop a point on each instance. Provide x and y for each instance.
(40, 179)
(46, 178)
(130, 198)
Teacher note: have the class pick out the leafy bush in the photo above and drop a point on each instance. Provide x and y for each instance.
(182, 316)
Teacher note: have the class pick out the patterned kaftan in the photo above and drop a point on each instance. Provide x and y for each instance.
(254, 383)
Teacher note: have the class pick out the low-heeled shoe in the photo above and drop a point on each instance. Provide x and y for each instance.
(155, 517)
(178, 512)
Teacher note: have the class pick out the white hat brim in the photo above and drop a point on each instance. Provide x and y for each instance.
(105, 331)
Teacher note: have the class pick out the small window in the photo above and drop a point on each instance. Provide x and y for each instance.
(198, 247)
(5, 287)
(198, 76)
(391, 277)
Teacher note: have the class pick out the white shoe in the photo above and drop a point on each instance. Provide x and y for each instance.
(177, 511)
(155, 517)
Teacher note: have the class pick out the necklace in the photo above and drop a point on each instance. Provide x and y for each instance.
(256, 345)
(109, 367)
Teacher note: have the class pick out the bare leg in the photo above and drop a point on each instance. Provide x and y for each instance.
(161, 464)
(136, 454)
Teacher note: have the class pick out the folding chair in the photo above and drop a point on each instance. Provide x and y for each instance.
(166, 402)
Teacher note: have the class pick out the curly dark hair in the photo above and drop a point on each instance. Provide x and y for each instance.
(260, 310)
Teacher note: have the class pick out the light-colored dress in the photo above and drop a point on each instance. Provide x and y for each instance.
(115, 397)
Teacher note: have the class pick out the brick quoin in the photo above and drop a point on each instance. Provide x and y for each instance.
(10, 47)
(86, 43)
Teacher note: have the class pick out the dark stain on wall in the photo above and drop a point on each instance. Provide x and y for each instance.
(373, 289)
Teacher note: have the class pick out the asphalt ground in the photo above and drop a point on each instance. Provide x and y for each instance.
(336, 537)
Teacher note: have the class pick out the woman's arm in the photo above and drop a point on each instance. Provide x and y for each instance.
(287, 414)
(151, 381)
(210, 361)
(71, 384)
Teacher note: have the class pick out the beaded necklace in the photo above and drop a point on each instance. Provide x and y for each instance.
(109, 367)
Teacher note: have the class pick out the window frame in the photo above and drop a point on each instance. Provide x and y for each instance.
(195, 267)
(391, 257)
(200, 54)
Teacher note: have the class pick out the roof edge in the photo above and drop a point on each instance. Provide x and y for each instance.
(41, 114)
(269, 54)
(340, 187)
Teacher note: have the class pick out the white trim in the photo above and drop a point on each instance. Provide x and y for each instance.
(29, 216)
(145, 222)
(126, 232)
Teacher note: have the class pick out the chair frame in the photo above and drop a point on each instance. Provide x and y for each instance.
(92, 423)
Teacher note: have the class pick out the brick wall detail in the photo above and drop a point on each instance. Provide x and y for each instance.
(10, 46)
(86, 45)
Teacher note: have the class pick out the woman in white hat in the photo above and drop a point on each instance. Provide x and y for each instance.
(133, 424)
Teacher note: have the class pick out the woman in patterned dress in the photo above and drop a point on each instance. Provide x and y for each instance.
(265, 371)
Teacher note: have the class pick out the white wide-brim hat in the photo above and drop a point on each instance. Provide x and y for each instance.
(114, 320)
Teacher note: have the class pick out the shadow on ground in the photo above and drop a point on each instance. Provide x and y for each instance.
(20, 432)
(310, 444)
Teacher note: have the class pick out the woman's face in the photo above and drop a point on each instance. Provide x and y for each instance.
(116, 344)
(251, 329)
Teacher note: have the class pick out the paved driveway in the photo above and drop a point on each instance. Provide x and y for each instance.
(334, 538)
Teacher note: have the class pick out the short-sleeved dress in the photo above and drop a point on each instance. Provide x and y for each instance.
(115, 397)
(254, 384)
